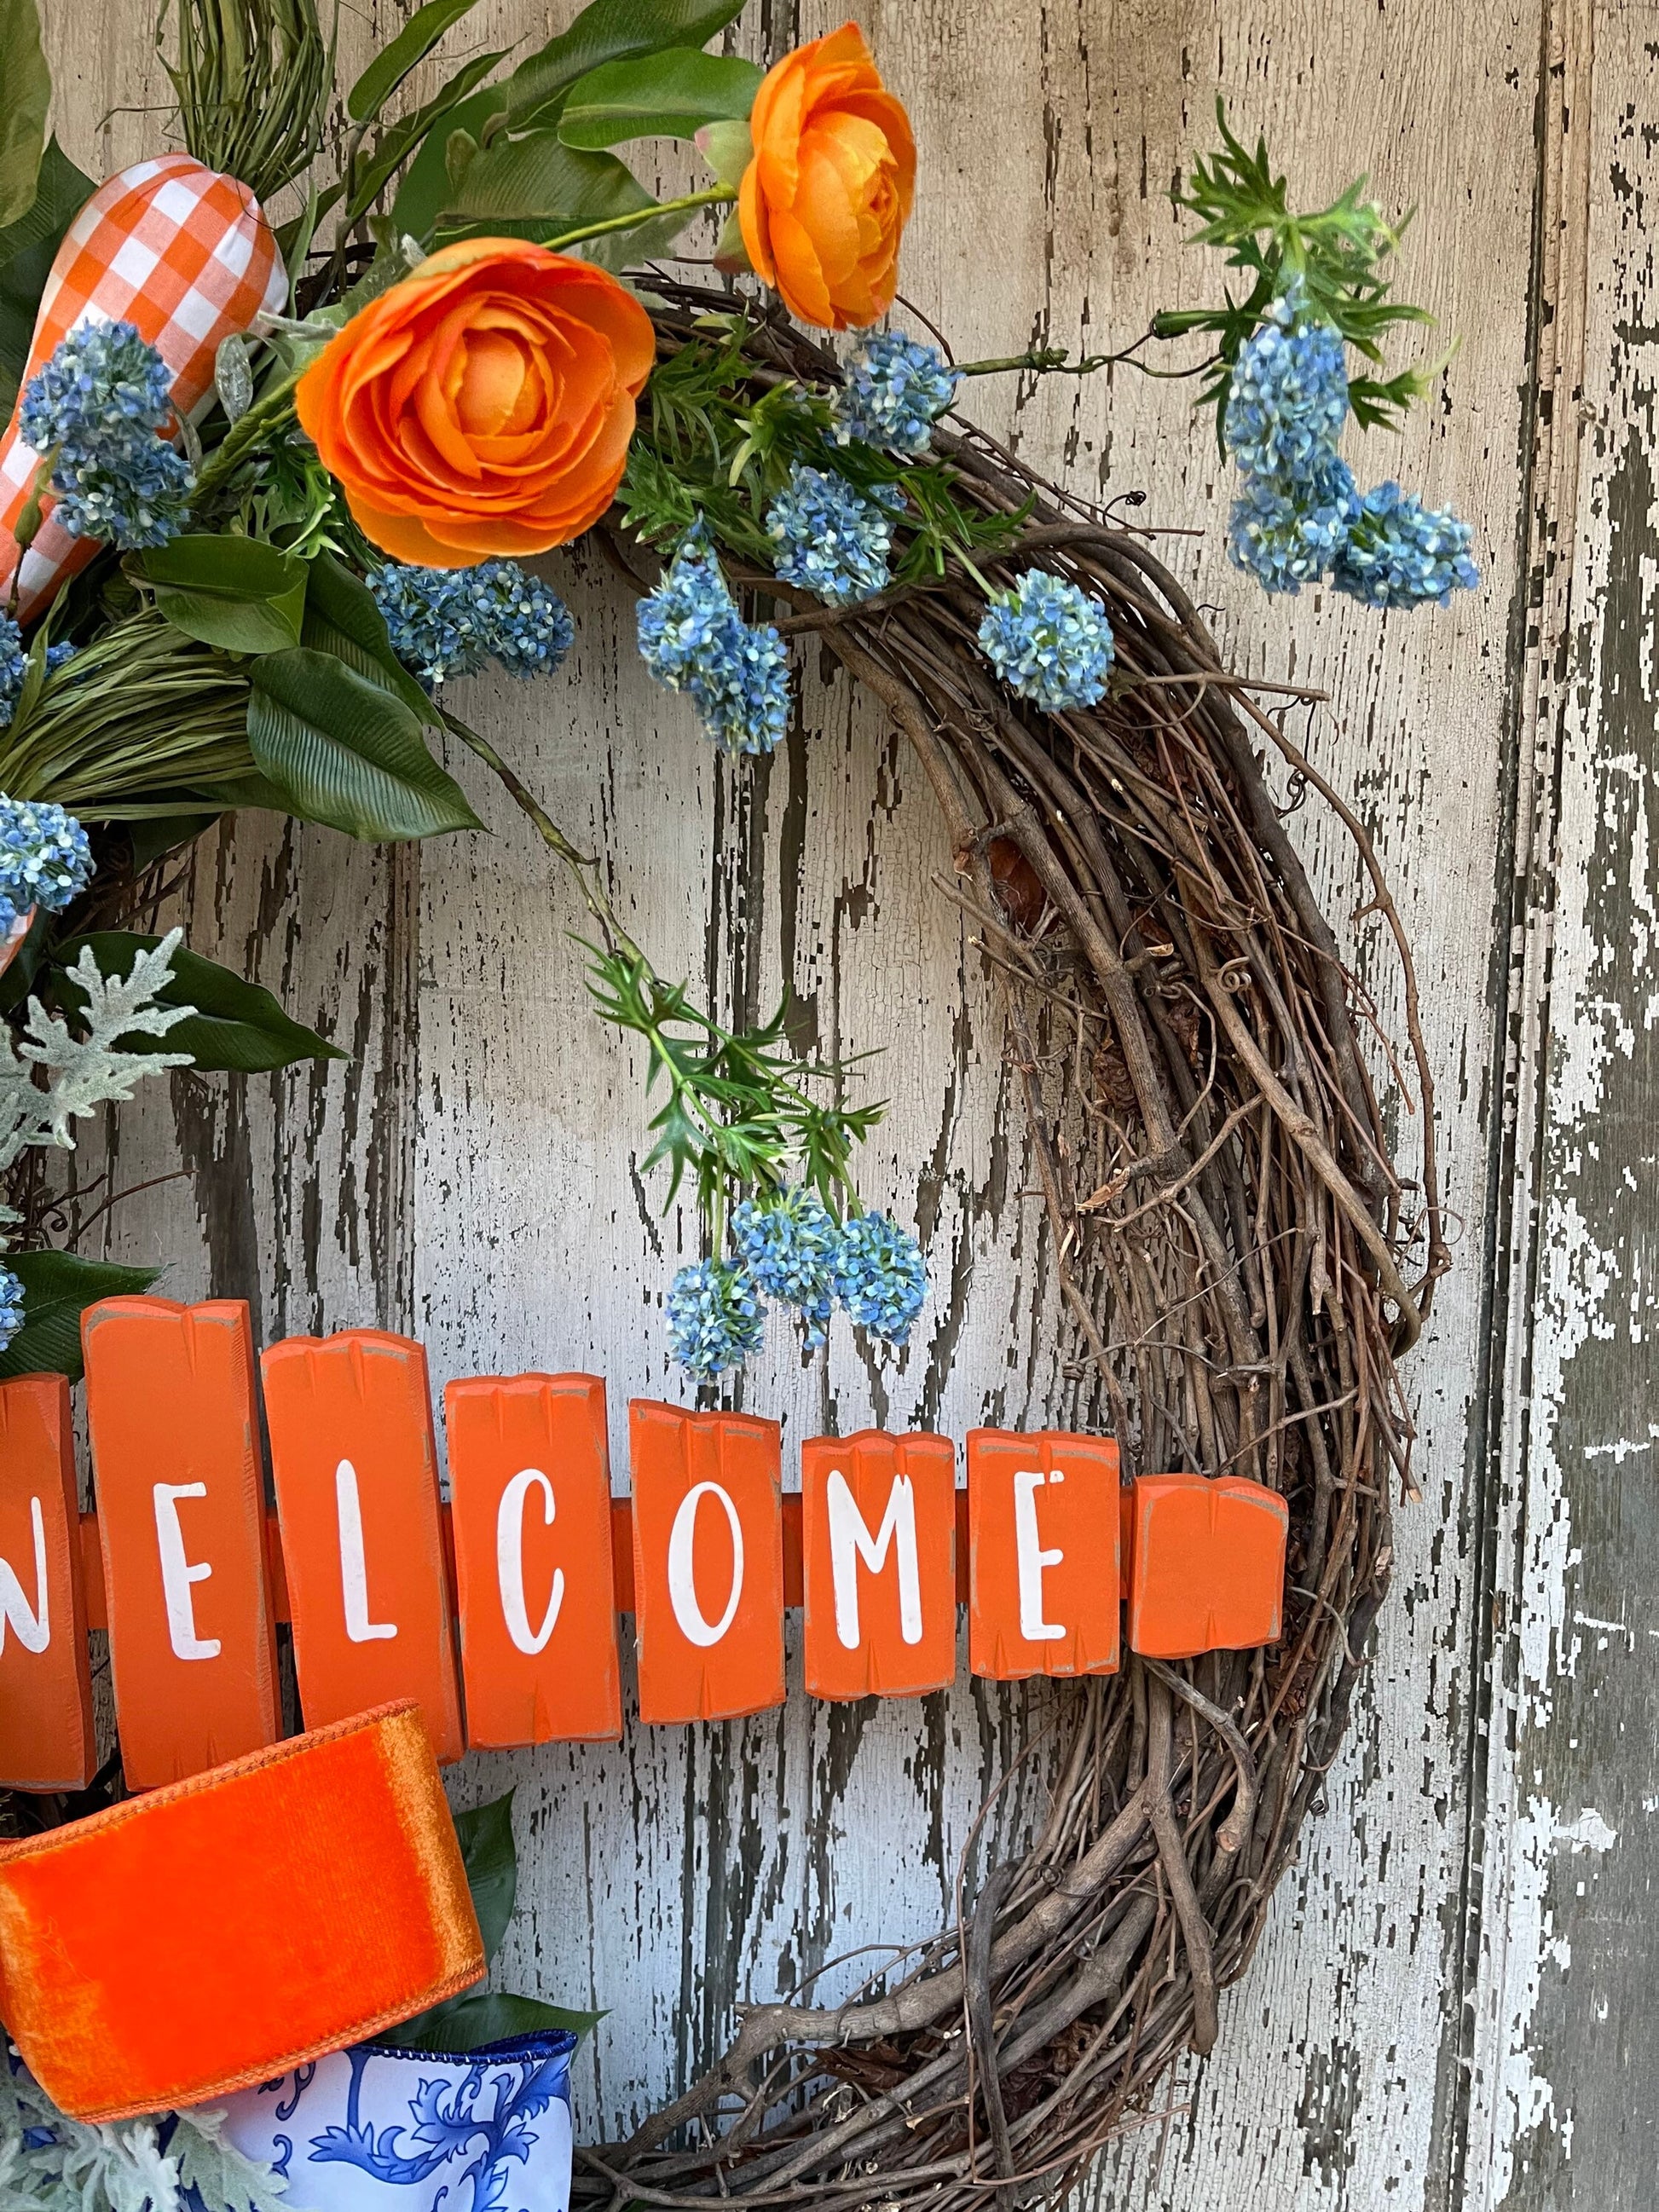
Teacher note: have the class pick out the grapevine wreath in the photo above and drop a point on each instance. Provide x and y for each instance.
(254, 544)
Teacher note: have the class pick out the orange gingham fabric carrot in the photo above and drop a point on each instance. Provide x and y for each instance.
(184, 255)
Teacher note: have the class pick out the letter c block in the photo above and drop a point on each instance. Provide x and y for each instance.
(356, 1472)
(530, 1510)
(708, 1562)
(181, 1518)
(46, 1740)
(1209, 1565)
(878, 1529)
(1044, 1577)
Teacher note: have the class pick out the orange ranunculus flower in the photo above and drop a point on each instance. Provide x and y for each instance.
(828, 191)
(483, 405)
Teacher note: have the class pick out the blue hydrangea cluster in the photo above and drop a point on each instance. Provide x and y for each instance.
(693, 639)
(1289, 397)
(11, 1306)
(97, 409)
(831, 540)
(1288, 534)
(1049, 640)
(448, 622)
(881, 1277)
(1299, 516)
(13, 666)
(45, 858)
(1399, 553)
(790, 1246)
(894, 392)
(715, 1317)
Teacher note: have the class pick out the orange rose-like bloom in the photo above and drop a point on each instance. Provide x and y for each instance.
(483, 405)
(828, 191)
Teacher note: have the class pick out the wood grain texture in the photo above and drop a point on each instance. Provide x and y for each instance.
(473, 1176)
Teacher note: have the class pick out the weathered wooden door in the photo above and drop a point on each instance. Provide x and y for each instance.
(1455, 2004)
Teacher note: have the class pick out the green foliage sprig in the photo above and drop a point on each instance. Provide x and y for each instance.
(735, 1116)
(1337, 252)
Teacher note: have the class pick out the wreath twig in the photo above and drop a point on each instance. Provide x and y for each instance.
(1244, 1265)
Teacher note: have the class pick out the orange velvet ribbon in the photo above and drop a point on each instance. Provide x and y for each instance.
(217, 1932)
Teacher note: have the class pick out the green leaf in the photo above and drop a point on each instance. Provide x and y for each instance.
(58, 1288)
(26, 250)
(394, 145)
(666, 95)
(237, 1026)
(538, 183)
(343, 618)
(162, 833)
(487, 1853)
(406, 51)
(728, 149)
(344, 752)
(426, 189)
(236, 592)
(606, 31)
(489, 2016)
(25, 96)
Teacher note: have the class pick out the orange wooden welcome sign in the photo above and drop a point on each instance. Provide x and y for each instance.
(497, 1611)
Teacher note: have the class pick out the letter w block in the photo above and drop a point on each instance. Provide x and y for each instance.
(181, 1518)
(878, 1526)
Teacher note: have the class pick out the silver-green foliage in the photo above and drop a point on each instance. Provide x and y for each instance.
(51, 2163)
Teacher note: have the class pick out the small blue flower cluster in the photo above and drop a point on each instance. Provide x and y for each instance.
(1399, 553)
(448, 622)
(11, 1306)
(831, 540)
(1299, 515)
(715, 1317)
(97, 409)
(1049, 640)
(13, 666)
(791, 1248)
(45, 858)
(895, 391)
(693, 639)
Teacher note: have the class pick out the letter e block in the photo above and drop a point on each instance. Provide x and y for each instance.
(356, 1471)
(530, 1510)
(46, 1740)
(878, 1523)
(1044, 1578)
(1208, 1572)
(708, 1562)
(181, 1520)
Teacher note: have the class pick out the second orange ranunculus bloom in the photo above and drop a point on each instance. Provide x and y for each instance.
(828, 191)
(483, 405)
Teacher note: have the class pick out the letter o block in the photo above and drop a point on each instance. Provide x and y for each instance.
(878, 1526)
(1209, 1565)
(708, 1562)
(1044, 1577)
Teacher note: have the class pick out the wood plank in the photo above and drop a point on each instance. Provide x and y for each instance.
(1565, 2037)
(473, 1176)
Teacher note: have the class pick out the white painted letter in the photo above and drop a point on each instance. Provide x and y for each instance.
(177, 1576)
(1032, 1558)
(509, 1561)
(850, 1541)
(682, 1588)
(30, 1624)
(354, 1570)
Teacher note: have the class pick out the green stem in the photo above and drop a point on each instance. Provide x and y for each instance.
(266, 412)
(717, 196)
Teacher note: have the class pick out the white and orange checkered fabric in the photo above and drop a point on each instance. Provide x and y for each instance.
(185, 256)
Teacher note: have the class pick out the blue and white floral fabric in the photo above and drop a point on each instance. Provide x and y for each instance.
(381, 2129)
